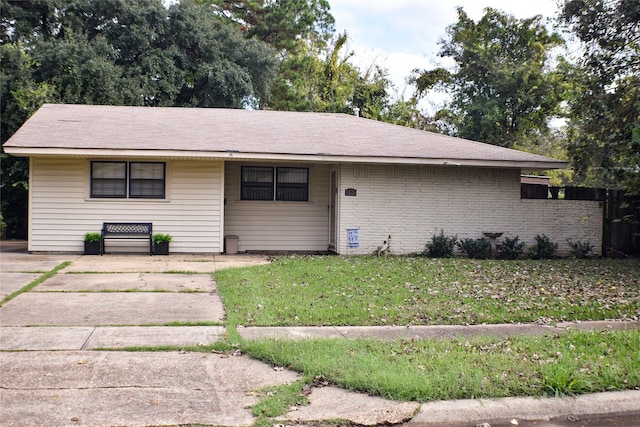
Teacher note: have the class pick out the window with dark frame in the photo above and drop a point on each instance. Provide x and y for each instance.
(109, 179)
(136, 180)
(146, 180)
(274, 183)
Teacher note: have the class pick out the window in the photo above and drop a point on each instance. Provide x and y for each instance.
(108, 179)
(146, 180)
(136, 180)
(274, 183)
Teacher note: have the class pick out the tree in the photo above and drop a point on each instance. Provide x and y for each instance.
(287, 25)
(221, 67)
(605, 107)
(502, 88)
(118, 52)
(299, 31)
(20, 96)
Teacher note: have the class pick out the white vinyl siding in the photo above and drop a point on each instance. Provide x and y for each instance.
(412, 203)
(279, 225)
(62, 212)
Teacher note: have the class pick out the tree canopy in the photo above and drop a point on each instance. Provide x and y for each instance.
(138, 53)
(605, 96)
(501, 85)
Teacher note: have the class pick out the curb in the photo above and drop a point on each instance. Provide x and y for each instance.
(526, 408)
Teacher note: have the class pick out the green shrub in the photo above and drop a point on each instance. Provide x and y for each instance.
(579, 249)
(543, 249)
(475, 248)
(511, 248)
(162, 238)
(3, 226)
(92, 237)
(441, 246)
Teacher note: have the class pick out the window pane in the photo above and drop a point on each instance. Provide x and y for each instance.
(147, 170)
(293, 175)
(256, 183)
(147, 180)
(292, 184)
(108, 179)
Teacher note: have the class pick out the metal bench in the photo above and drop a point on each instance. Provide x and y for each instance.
(127, 230)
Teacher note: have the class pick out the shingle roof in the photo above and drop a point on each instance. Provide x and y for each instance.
(198, 131)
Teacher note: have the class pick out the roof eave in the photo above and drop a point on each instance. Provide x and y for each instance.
(248, 156)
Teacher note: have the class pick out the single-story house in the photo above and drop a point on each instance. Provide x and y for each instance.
(280, 181)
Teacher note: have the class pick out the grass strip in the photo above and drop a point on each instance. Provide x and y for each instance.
(186, 323)
(35, 282)
(277, 400)
(378, 291)
(191, 273)
(424, 370)
(217, 347)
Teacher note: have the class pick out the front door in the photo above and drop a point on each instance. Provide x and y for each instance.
(333, 201)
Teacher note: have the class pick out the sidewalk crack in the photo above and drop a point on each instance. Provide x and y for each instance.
(84, 344)
(338, 331)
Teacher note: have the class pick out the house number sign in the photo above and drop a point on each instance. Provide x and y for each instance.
(350, 192)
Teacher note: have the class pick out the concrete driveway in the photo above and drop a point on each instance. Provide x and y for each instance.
(112, 301)
(117, 302)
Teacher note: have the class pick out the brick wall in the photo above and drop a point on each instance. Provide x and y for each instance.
(411, 203)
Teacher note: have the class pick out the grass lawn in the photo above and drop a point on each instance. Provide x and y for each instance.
(331, 290)
(422, 370)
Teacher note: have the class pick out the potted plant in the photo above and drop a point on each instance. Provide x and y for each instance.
(92, 243)
(161, 243)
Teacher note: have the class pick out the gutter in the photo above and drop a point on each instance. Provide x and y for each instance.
(232, 155)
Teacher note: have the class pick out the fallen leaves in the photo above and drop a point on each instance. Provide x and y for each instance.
(419, 291)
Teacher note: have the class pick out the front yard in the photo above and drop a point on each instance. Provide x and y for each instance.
(309, 291)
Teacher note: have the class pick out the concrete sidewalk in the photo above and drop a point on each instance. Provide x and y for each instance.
(431, 332)
(52, 372)
(93, 388)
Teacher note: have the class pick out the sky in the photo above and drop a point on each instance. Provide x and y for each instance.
(402, 35)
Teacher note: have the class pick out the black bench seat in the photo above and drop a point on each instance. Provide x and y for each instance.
(127, 230)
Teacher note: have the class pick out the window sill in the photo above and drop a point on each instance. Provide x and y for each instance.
(123, 200)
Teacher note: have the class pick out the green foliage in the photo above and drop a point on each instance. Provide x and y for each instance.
(511, 248)
(307, 82)
(162, 238)
(134, 53)
(92, 237)
(543, 249)
(552, 144)
(605, 92)
(408, 113)
(221, 67)
(475, 248)
(482, 367)
(561, 380)
(286, 25)
(580, 249)
(277, 400)
(502, 86)
(441, 246)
